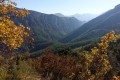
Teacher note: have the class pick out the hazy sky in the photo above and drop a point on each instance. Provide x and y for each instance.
(68, 7)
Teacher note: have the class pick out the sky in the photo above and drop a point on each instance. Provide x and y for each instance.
(68, 7)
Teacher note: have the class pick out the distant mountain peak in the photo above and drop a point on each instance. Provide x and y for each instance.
(85, 17)
(59, 15)
(118, 6)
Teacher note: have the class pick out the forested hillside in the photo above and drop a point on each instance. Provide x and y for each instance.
(49, 27)
(101, 62)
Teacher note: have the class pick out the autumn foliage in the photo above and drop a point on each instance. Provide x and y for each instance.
(12, 35)
(92, 65)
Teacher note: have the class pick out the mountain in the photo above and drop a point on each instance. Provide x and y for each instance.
(59, 15)
(48, 28)
(85, 17)
(95, 28)
(82, 17)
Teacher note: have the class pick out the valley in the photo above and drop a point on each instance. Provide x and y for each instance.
(59, 40)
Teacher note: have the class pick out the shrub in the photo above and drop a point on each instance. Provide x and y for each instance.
(93, 65)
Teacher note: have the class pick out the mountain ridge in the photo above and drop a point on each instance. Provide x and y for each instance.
(48, 28)
(85, 17)
(96, 28)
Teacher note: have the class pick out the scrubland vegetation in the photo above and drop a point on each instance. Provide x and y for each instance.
(96, 64)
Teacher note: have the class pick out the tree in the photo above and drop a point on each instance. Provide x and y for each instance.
(12, 35)
(92, 65)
